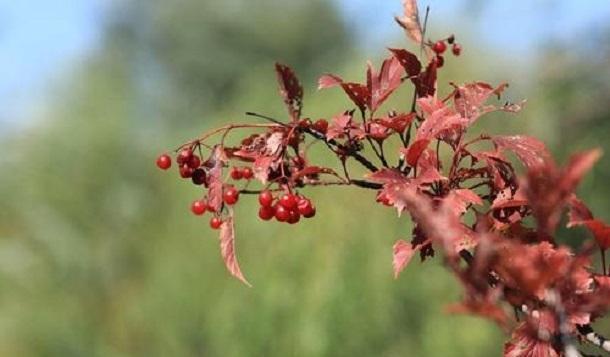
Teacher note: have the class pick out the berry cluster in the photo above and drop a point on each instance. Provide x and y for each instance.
(191, 166)
(287, 207)
(238, 173)
(439, 47)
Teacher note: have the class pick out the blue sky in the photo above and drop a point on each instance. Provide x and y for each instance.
(40, 39)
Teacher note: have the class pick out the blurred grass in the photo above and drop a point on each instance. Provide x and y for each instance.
(100, 256)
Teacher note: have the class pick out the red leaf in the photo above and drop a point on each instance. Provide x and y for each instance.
(381, 85)
(329, 81)
(385, 176)
(439, 120)
(532, 268)
(403, 252)
(377, 131)
(531, 151)
(438, 222)
(506, 199)
(485, 306)
(601, 232)
(415, 150)
(290, 89)
(214, 177)
(262, 167)
(408, 61)
(358, 93)
(312, 171)
(399, 122)
(394, 185)
(227, 248)
(458, 200)
(523, 344)
(469, 99)
(342, 125)
(578, 212)
(425, 83)
(577, 167)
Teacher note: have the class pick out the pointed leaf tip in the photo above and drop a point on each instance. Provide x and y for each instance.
(227, 249)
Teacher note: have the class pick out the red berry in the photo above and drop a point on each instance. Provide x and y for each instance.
(184, 156)
(194, 161)
(265, 198)
(440, 61)
(282, 214)
(456, 49)
(321, 125)
(305, 123)
(247, 173)
(439, 47)
(236, 173)
(198, 177)
(294, 217)
(306, 208)
(186, 171)
(198, 207)
(288, 200)
(215, 222)
(230, 195)
(210, 208)
(164, 162)
(266, 213)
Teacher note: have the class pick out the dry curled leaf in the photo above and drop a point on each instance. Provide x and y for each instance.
(227, 248)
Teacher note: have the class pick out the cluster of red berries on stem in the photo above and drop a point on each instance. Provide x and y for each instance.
(199, 207)
(439, 47)
(287, 207)
(238, 173)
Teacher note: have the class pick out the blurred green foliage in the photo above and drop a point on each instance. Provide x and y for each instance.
(100, 256)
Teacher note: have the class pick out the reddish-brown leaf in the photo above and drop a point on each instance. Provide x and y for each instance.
(399, 122)
(459, 200)
(531, 151)
(601, 232)
(381, 85)
(438, 121)
(358, 93)
(523, 344)
(227, 248)
(425, 83)
(578, 212)
(262, 166)
(342, 125)
(532, 268)
(470, 98)
(329, 81)
(438, 222)
(214, 177)
(290, 89)
(408, 61)
(377, 131)
(415, 150)
(577, 167)
(403, 252)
